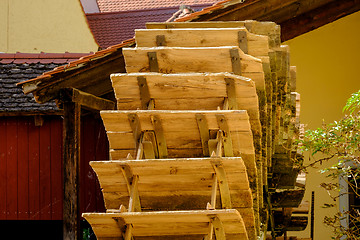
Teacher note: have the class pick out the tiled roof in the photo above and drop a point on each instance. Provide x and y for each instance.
(125, 5)
(18, 67)
(113, 28)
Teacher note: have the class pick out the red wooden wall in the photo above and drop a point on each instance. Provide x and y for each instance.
(31, 168)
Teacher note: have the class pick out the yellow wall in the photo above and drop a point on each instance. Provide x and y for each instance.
(44, 25)
(328, 67)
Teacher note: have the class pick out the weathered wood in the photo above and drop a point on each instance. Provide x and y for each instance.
(169, 223)
(144, 92)
(310, 20)
(218, 227)
(249, 43)
(189, 92)
(176, 59)
(226, 135)
(223, 184)
(153, 62)
(287, 198)
(161, 181)
(270, 29)
(160, 137)
(90, 101)
(204, 133)
(71, 163)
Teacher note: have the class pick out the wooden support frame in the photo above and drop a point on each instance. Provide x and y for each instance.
(144, 93)
(71, 165)
(218, 228)
(72, 100)
(90, 101)
(222, 183)
(243, 41)
(136, 128)
(235, 61)
(160, 40)
(153, 62)
(216, 145)
(131, 183)
(226, 137)
(213, 192)
(231, 94)
(204, 133)
(149, 145)
(160, 138)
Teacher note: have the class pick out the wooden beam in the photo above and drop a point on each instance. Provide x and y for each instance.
(144, 92)
(204, 133)
(134, 201)
(222, 183)
(90, 101)
(71, 162)
(136, 128)
(160, 138)
(318, 17)
(131, 183)
(231, 94)
(226, 137)
(218, 228)
(93, 78)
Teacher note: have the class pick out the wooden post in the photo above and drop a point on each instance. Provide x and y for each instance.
(71, 160)
(72, 100)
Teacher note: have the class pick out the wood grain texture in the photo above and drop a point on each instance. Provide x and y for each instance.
(166, 223)
(203, 37)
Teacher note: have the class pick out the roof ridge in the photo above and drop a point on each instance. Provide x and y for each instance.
(42, 55)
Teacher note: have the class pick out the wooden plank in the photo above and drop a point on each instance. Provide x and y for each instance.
(176, 59)
(34, 171)
(270, 29)
(166, 223)
(174, 121)
(183, 91)
(242, 141)
(45, 177)
(71, 159)
(12, 168)
(3, 155)
(56, 164)
(91, 101)
(252, 44)
(23, 168)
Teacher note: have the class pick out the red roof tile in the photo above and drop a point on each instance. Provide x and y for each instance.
(125, 5)
(20, 58)
(113, 28)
